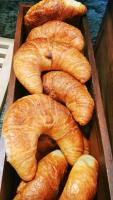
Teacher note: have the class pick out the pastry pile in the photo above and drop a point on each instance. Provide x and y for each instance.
(58, 103)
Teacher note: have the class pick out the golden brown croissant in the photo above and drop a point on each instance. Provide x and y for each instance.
(60, 32)
(82, 180)
(39, 55)
(45, 144)
(47, 10)
(45, 185)
(63, 87)
(26, 120)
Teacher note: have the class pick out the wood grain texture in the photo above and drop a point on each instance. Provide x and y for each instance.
(104, 61)
(99, 141)
(101, 116)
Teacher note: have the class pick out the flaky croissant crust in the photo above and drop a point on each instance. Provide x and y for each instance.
(26, 120)
(39, 55)
(63, 87)
(49, 175)
(60, 32)
(82, 180)
(47, 10)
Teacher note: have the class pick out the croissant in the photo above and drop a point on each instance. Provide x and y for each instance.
(46, 144)
(26, 120)
(59, 31)
(45, 185)
(39, 55)
(82, 180)
(63, 87)
(47, 10)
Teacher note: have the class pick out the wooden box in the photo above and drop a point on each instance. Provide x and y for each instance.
(104, 61)
(97, 129)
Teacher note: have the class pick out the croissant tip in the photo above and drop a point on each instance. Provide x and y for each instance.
(85, 9)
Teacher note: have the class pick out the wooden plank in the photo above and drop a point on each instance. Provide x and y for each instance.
(104, 61)
(100, 112)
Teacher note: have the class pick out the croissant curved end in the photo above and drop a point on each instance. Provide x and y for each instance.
(82, 9)
(26, 120)
(63, 87)
(84, 172)
(51, 170)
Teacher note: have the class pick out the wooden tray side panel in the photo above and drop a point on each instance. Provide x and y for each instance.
(101, 119)
(104, 60)
(100, 115)
(97, 151)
